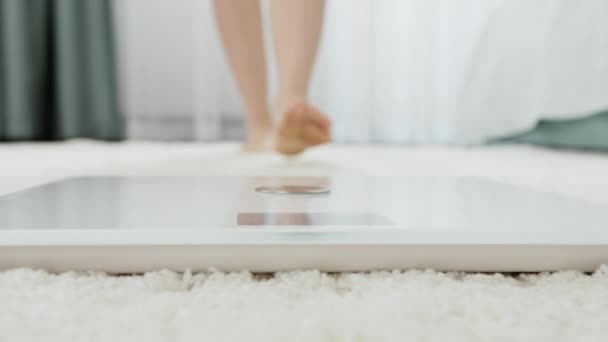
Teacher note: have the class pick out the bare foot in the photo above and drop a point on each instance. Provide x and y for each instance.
(258, 138)
(301, 126)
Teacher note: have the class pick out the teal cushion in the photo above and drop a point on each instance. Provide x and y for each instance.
(590, 132)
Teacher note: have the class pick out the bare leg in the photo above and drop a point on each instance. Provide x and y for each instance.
(296, 28)
(240, 26)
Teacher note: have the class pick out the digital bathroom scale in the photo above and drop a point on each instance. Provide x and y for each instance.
(137, 224)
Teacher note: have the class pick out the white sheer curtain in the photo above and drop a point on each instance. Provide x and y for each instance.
(414, 71)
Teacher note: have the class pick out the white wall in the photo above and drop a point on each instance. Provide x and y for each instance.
(157, 49)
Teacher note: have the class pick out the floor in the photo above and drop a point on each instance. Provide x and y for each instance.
(305, 305)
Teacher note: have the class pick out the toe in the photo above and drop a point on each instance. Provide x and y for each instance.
(313, 135)
(292, 120)
(320, 119)
(302, 126)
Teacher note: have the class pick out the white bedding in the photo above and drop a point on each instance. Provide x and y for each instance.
(306, 305)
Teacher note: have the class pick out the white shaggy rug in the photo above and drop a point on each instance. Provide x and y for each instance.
(304, 305)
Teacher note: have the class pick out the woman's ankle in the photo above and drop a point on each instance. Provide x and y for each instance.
(283, 101)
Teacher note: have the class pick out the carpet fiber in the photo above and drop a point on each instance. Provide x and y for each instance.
(304, 305)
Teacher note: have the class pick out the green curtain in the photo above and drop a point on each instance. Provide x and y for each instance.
(590, 133)
(57, 70)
